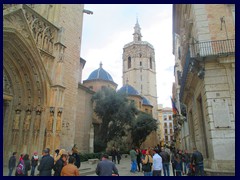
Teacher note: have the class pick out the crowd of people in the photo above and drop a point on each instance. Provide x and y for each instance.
(62, 163)
(150, 161)
(156, 160)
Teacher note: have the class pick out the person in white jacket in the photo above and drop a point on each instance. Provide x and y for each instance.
(157, 163)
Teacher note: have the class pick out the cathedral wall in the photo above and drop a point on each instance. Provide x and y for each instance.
(70, 18)
(83, 120)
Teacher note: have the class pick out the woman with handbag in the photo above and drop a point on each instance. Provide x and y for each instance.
(147, 164)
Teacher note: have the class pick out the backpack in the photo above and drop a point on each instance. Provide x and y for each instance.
(20, 170)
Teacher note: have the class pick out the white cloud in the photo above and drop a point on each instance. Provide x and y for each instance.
(111, 27)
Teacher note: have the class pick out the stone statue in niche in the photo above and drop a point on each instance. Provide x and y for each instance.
(50, 121)
(37, 121)
(16, 119)
(27, 121)
(59, 123)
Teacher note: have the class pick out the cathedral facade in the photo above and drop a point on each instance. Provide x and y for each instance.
(44, 104)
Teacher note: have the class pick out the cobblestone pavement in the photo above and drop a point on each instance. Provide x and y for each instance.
(88, 169)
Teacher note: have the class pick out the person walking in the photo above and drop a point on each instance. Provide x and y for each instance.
(46, 164)
(34, 163)
(106, 167)
(166, 161)
(76, 155)
(12, 163)
(178, 165)
(147, 162)
(139, 159)
(70, 169)
(133, 155)
(157, 163)
(119, 156)
(27, 164)
(113, 154)
(172, 162)
(60, 163)
(21, 158)
(197, 160)
(186, 161)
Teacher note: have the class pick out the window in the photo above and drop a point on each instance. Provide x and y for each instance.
(179, 75)
(170, 117)
(179, 52)
(170, 125)
(140, 55)
(165, 117)
(170, 131)
(165, 125)
(166, 131)
(140, 63)
(150, 62)
(129, 62)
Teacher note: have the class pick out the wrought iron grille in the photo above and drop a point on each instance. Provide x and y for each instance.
(212, 48)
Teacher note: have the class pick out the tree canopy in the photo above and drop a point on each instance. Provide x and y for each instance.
(117, 113)
(142, 127)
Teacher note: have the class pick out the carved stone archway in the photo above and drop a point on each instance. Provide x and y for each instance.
(25, 90)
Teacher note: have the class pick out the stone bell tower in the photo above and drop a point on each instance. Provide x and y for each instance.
(139, 67)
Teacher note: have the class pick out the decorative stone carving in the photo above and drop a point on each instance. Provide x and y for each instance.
(16, 120)
(37, 121)
(50, 121)
(27, 121)
(43, 31)
(59, 121)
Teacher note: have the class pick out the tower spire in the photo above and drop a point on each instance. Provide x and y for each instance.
(137, 32)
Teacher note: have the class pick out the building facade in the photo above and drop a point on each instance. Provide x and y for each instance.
(167, 125)
(206, 50)
(44, 104)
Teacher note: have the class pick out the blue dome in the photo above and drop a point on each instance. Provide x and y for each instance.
(129, 90)
(146, 101)
(100, 73)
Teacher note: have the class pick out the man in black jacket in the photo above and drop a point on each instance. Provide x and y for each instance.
(46, 164)
(12, 163)
(197, 159)
(165, 161)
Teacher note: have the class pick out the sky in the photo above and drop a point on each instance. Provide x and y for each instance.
(111, 26)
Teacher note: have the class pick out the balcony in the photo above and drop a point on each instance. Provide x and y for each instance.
(212, 48)
(201, 50)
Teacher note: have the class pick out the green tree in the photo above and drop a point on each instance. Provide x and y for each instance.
(141, 128)
(115, 111)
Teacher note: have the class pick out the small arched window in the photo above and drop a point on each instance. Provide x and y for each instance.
(129, 62)
(150, 60)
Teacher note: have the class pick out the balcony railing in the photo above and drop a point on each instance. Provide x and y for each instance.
(205, 49)
(212, 48)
